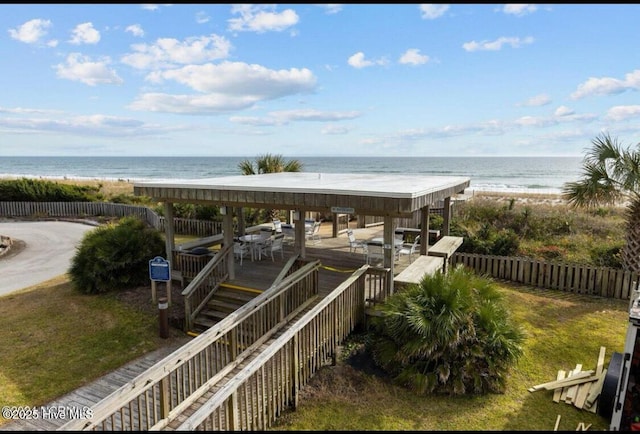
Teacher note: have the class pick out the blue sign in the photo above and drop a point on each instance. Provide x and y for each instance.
(159, 269)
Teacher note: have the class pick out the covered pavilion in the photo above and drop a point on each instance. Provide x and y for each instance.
(385, 195)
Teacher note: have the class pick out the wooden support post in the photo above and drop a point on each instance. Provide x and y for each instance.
(295, 371)
(446, 215)
(424, 230)
(165, 396)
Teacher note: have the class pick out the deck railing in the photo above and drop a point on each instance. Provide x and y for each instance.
(206, 281)
(255, 397)
(576, 278)
(156, 396)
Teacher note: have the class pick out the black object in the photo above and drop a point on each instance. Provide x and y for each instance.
(199, 251)
(609, 386)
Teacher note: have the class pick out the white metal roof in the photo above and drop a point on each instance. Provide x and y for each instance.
(363, 184)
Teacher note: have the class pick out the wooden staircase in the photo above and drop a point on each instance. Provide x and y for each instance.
(227, 299)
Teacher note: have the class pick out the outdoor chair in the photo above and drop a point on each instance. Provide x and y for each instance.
(277, 225)
(240, 250)
(272, 244)
(373, 252)
(409, 249)
(355, 244)
(313, 233)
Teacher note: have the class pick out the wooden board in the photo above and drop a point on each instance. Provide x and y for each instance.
(557, 392)
(445, 246)
(417, 269)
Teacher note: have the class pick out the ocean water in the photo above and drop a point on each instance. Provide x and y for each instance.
(502, 174)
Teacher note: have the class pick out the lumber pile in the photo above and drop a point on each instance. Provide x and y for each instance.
(577, 387)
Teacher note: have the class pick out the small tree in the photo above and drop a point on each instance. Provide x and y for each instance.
(611, 174)
(268, 163)
(115, 256)
(449, 334)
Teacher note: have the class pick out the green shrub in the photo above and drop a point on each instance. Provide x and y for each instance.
(607, 256)
(451, 334)
(115, 256)
(35, 190)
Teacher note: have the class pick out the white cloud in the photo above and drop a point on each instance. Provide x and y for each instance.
(212, 103)
(608, 85)
(202, 17)
(91, 125)
(153, 6)
(358, 61)
(84, 34)
(331, 9)
(168, 52)
(81, 68)
(261, 18)
(287, 116)
(31, 32)
(334, 130)
(497, 44)
(413, 57)
(135, 30)
(237, 78)
(563, 111)
(623, 112)
(225, 87)
(432, 11)
(537, 101)
(519, 9)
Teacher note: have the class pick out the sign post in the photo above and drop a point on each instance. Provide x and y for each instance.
(160, 271)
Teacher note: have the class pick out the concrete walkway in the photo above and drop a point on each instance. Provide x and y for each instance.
(48, 249)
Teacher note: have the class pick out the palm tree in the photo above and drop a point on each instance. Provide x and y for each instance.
(268, 163)
(451, 333)
(611, 175)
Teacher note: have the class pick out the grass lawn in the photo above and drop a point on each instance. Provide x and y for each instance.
(56, 340)
(562, 330)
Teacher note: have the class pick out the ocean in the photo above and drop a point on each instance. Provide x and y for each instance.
(500, 174)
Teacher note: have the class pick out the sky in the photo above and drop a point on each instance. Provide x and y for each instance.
(317, 79)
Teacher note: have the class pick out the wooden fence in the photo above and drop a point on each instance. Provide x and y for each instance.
(575, 278)
(108, 209)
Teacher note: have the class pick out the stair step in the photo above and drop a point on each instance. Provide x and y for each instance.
(224, 304)
(212, 313)
(204, 322)
(235, 294)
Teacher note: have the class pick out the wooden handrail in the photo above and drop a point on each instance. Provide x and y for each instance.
(162, 371)
(231, 387)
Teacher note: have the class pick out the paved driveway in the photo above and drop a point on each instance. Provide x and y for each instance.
(49, 248)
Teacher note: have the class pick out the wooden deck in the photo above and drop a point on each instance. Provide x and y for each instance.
(337, 262)
(337, 265)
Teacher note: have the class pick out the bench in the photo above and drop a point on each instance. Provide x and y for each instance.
(417, 269)
(444, 248)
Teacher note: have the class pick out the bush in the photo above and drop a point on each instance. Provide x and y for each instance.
(115, 256)
(34, 190)
(607, 256)
(450, 334)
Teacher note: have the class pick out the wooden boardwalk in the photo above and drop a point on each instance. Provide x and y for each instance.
(337, 265)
